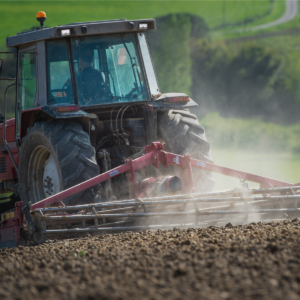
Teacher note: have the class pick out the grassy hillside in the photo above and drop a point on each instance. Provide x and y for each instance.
(277, 10)
(281, 166)
(253, 146)
(16, 16)
(251, 134)
(283, 43)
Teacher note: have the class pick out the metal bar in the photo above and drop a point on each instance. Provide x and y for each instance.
(278, 189)
(296, 201)
(132, 182)
(186, 175)
(79, 230)
(179, 201)
(190, 173)
(182, 196)
(187, 196)
(117, 210)
(131, 202)
(80, 187)
(4, 129)
(7, 78)
(166, 214)
(202, 209)
(235, 173)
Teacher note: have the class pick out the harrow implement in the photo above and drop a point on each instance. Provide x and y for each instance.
(273, 200)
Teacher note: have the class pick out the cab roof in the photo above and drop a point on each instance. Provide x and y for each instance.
(81, 29)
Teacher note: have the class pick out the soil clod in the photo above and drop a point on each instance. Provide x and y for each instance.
(254, 261)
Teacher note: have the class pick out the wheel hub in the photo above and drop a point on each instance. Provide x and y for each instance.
(50, 178)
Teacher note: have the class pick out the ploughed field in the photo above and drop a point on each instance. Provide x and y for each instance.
(254, 261)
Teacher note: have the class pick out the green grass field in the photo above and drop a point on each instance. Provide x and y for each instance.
(17, 16)
(282, 43)
(281, 166)
(276, 13)
(253, 146)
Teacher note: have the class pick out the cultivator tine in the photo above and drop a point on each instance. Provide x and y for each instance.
(120, 210)
(96, 219)
(275, 189)
(140, 203)
(196, 210)
(84, 220)
(296, 201)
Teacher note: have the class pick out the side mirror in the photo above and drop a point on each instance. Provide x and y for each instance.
(1, 118)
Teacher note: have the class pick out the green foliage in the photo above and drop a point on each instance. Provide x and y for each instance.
(278, 165)
(245, 80)
(64, 12)
(249, 80)
(252, 134)
(260, 15)
(81, 253)
(291, 73)
(171, 52)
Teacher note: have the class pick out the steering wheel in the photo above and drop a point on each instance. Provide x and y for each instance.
(65, 88)
(65, 92)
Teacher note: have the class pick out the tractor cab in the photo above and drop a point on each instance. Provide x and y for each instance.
(97, 70)
(84, 65)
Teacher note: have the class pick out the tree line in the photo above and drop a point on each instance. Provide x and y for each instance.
(244, 80)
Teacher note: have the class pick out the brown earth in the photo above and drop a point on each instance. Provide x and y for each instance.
(255, 261)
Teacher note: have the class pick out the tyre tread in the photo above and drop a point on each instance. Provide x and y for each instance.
(72, 146)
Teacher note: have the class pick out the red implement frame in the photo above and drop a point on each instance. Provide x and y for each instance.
(154, 155)
(10, 226)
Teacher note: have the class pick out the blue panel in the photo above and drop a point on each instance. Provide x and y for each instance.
(8, 244)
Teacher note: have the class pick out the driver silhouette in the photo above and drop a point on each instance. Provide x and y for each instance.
(89, 80)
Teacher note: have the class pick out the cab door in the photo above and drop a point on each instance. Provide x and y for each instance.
(26, 83)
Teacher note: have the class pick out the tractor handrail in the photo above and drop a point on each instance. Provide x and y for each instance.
(4, 128)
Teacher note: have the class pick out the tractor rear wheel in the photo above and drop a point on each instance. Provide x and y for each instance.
(57, 155)
(182, 134)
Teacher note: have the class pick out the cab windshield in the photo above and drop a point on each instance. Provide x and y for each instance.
(108, 70)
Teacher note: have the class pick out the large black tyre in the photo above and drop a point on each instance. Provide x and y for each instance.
(182, 134)
(57, 155)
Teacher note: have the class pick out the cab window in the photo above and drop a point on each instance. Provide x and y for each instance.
(60, 88)
(27, 79)
(108, 70)
(26, 83)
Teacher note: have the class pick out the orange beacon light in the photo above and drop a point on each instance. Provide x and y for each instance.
(41, 17)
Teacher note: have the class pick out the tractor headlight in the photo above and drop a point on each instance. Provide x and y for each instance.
(65, 32)
(143, 26)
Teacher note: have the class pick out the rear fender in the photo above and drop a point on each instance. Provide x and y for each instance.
(31, 116)
(151, 115)
(167, 106)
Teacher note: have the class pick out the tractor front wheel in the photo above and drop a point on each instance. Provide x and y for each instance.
(57, 155)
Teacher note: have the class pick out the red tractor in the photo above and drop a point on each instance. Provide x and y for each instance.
(87, 99)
